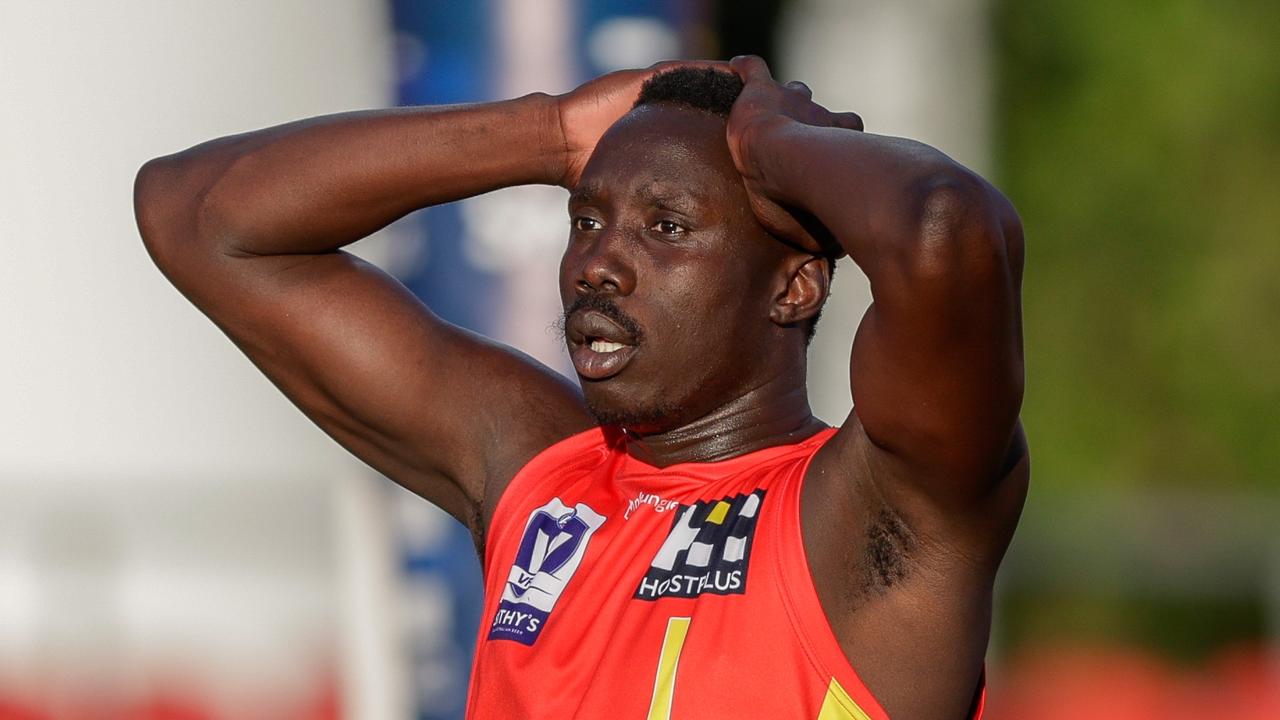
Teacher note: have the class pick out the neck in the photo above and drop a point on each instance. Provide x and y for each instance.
(768, 415)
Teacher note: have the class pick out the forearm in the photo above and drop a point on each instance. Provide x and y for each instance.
(881, 197)
(315, 185)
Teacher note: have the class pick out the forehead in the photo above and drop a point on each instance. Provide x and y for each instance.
(664, 150)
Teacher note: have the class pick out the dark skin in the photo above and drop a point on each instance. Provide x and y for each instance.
(662, 226)
(906, 512)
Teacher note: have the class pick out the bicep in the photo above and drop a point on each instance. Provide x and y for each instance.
(937, 362)
(437, 409)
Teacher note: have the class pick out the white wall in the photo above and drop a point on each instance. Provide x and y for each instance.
(160, 502)
(109, 371)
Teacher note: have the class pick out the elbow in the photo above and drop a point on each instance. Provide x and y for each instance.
(962, 229)
(157, 206)
(170, 198)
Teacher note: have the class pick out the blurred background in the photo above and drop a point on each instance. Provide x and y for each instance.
(178, 543)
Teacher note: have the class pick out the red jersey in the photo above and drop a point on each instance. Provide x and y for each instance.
(615, 589)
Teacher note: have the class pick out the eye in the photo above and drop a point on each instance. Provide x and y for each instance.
(585, 223)
(668, 227)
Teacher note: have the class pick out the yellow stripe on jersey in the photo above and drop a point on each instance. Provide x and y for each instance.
(664, 683)
(718, 513)
(839, 706)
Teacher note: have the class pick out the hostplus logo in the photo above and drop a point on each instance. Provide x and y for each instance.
(555, 539)
(706, 551)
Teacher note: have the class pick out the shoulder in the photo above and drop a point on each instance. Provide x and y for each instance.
(559, 460)
(905, 579)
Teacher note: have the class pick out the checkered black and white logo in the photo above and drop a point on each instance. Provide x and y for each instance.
(706, 550)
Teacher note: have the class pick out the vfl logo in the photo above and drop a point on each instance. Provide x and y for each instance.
(706, 551)
(555, 539)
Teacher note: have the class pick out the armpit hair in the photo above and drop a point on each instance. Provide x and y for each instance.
(890, 547)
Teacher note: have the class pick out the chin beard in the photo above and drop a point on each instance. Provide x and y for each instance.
(642, 419)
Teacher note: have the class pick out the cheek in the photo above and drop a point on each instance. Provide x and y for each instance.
(567, 276)
(702, 310)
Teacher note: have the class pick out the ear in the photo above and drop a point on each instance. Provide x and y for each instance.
(805, 284)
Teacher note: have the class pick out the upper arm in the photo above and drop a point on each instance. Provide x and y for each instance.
(907, 516)
(937, 373)
(440, 410)
(937, 361)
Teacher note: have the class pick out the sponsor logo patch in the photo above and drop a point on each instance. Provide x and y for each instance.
(657, 502)
(706, 550)
(554, 541)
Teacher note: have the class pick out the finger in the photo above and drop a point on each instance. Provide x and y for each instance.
(665, 65)
(751, 67)
(641, 76)
(801, 88)
(848, 120)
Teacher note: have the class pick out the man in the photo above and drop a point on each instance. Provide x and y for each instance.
(680, 538)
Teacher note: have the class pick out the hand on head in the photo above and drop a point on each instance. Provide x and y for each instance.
(764, 101)
(586, 112)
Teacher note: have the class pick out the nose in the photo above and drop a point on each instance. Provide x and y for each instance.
(606, 264)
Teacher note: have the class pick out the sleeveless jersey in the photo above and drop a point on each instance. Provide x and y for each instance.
(618, 590)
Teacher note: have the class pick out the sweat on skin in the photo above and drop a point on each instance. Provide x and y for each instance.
(675, 255)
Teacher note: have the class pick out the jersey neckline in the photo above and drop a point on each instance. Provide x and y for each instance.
(712, 467)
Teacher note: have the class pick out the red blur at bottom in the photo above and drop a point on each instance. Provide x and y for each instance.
(1125, 684)
(168, 704)
(1048, 684)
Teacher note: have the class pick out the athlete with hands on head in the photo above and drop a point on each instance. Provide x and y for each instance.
(679, 536)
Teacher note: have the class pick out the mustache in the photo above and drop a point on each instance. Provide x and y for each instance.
(606, 307)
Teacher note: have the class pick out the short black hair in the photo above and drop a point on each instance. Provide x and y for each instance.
(706, 89)
(714, 91)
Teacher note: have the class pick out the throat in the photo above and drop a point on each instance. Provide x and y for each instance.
(744, 425)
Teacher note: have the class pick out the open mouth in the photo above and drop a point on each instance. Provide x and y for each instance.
(601, 359)
(604, 346)
(599, 347)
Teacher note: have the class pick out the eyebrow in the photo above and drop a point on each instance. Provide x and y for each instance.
(584, 193)
(684, 200)
(688, 201)
(657, 194)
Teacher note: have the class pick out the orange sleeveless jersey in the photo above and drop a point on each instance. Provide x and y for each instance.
(614, 589)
